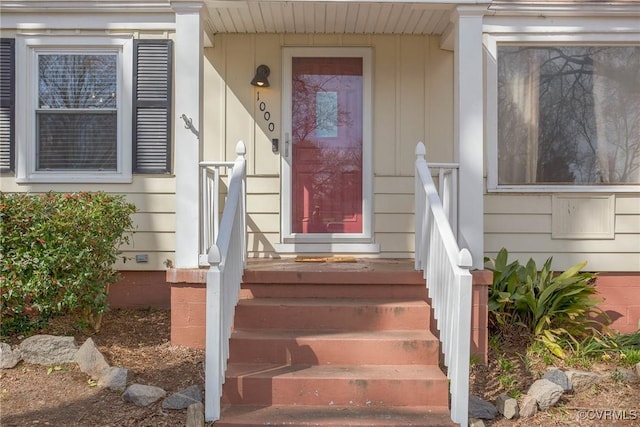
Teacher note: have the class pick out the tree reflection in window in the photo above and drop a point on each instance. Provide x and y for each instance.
(568, 115)
(76, 118)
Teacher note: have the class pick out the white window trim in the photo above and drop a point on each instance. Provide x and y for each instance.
(325, 242)
(491, 41)
(27, 49)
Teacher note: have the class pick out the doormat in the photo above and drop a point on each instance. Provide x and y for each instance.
(329, 259)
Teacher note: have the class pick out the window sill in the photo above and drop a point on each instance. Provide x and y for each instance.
(565, 189)
(76, 179)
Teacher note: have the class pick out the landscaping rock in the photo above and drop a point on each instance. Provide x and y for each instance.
(546, 393)
(528, 406)
(143, 395)
(627, 375)
(114, 378)
(183, 399)
(475, 422)
(48, 349)
(195, 415)
(9, 358)
(90, 360)
(637, 369)
(479, 408)
(582, 380)
(507, 406)
(557, 376)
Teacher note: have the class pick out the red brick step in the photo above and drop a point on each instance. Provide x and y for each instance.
(332, 314)
(333, 416)
(341, 385)
(410, 347)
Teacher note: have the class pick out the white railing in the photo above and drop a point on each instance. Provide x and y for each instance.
(447, 174)
(227, 259)
(448, 280)
(210, 176)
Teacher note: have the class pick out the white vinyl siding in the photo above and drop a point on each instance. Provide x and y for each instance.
(522, 224)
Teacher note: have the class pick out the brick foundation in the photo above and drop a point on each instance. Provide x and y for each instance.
(140, 289)
(621, 294)
(188, 314)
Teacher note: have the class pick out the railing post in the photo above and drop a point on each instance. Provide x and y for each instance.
(421, 152)
(213, 336)
(241, 151)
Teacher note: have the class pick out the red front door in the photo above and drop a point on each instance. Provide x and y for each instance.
(327, 107)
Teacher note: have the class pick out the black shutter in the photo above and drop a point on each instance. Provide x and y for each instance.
(7, 103)
(152, 106)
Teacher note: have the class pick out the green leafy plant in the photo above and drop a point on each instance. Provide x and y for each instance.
(58, 252)
(549, 305)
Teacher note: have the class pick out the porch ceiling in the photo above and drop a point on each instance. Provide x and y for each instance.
(342, 17)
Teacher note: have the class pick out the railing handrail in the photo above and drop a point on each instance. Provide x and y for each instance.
(216, 164)
(227, 260)
(448, 281)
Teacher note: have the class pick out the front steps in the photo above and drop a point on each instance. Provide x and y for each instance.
(336, 349)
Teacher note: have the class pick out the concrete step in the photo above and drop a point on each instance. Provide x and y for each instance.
(291, 347)
(355, 314)
(314, 290)
(336, 385)
(333, 416)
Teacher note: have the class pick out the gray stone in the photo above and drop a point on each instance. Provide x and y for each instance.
(557, 376)
(48, 349)
(627, 375)
(114, 378)
(479, 408)
(507, 406)
(546, 393)
(143, 395)
(195, 415)
(528, 406)
(475, 422)
(183, 399)
(90, 360)
(9, 358)
(582, 380)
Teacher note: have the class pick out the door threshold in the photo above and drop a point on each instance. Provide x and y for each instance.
(327, 248)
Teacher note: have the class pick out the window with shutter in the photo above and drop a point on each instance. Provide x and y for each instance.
(7, 103)
(73, 115)
(152, 106)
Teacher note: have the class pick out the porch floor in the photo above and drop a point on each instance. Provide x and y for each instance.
(331, 264)
(334, 271)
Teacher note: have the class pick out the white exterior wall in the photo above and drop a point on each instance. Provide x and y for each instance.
(412, 101)
(523, 224)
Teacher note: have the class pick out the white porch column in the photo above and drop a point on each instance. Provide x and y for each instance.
(188, 83)
(469, 130)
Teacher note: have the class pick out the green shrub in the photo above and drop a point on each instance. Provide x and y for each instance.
(57, 255)
(550, 306)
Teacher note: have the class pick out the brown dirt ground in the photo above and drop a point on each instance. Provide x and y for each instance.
(140, 341)
(137, 340)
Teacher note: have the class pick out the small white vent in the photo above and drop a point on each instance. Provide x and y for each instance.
(582, 216)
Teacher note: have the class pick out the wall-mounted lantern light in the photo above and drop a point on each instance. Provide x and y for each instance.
(260, 79)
